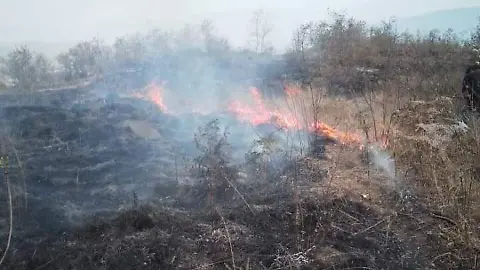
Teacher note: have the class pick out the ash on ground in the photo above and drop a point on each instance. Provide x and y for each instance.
(118, 184)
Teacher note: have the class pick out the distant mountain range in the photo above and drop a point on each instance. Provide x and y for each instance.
(461, 20)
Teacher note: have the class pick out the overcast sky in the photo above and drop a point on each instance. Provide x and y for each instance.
(73, 20)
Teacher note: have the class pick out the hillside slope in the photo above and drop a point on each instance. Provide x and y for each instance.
(461, 20)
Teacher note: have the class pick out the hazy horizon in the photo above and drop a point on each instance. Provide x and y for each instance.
(68, 21)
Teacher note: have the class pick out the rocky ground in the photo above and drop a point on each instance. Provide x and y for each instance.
(114, 184)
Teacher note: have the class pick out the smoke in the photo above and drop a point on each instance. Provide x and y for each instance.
(383, 161)
(75, 144)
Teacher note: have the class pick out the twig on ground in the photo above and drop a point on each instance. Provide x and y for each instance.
(334, 171)
(241, 195)
(4, 164)
(228, 237)
(22, 171)
(43, 265)
(444, 219)
(359, 268)
(210, 264)
(348, 215)
(78, 177)
(444, 255)
(67, 149)
(369, 228)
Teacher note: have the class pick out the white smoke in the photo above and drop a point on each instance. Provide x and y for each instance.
(383, 161)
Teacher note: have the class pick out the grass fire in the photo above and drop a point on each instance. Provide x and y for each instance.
(355, 148)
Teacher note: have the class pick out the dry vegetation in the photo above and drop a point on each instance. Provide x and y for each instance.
(409, 98)
(330, 212)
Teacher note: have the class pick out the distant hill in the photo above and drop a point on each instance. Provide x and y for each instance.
(461, 20)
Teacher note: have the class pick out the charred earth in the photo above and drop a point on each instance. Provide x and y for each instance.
(114, 183)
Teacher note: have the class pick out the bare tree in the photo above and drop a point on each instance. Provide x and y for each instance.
(130, 51)
(260, 31)
(19, 67)
(301, 40)
(475, 38)
(187, 37)
(158, 42)
(43, 70)
(206, 30)
(475, 43)
(27, 69)
(83, 60)
(213, 43)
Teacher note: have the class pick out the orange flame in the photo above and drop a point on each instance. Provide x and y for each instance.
(332, 133)
(384, 140)
(153, 93)
(260, 114)
(292, 91)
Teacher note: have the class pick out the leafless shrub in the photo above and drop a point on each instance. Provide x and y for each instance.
(213, 166)
(384, 72)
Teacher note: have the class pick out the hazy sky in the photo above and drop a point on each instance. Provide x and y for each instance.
(73, 20)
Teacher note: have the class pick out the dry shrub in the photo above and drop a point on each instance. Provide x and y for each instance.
(213, 166)
(442, 162)
(381, 75)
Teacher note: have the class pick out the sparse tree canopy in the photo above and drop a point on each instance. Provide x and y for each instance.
(27, 69)
(476, 34)
(260, 30)
(320, 50)
(19, 66)
(213, 43)
(475, 40)
(130, 51)
(347, 56)
(44, 69)
(83, 60)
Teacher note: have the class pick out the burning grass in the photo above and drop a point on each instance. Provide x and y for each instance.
(277, 210)
(330, 196)
(291, 113)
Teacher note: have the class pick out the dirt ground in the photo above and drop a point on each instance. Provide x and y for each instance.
(332, 212)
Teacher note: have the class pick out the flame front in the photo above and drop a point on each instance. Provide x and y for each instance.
(154, 93)
(260, 114)
(292, 91)
(332, 133)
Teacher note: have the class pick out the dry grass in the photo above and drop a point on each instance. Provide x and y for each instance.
(443, 167)
(332, 213)
(437, 163)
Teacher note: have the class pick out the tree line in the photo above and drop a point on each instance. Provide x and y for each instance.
(346, 56)
(342, 54)
(25, 69)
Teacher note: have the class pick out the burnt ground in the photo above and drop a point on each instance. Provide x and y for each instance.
(98, 196)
